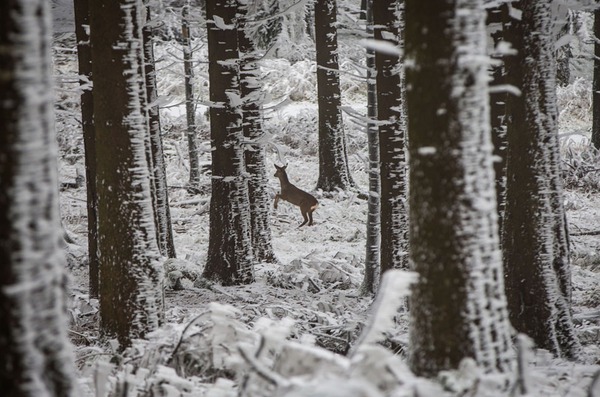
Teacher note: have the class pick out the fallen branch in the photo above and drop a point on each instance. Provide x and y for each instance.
(589, 233)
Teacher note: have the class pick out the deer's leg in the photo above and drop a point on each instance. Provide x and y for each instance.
(310, 222)
(305, 215)
(277, 197)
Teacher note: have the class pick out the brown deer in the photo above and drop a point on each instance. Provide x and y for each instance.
(290, 193)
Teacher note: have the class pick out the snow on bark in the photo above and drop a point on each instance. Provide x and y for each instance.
(36, 354)
(458, 306)
(535, 239)
(229, 259)
(131, 275)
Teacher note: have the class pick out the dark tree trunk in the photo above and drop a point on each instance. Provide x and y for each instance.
(535, 239)
(498, 17)
(392, 130)
(373, 252)
(229, 248)
(131, 295)
(36, 356)
(190, 107)
(458, 307)
(333, 160)
(596, 83)
(254, 154)
(84, 56)
(162, 212)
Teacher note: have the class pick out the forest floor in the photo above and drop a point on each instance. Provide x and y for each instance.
(320, 268)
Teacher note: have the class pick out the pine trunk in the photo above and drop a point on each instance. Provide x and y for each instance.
(131, 292)
(535, 239)
(596, 83)
(333, 160)
(458, 307)
(230, 258)
(373, 243)
(254, 153)
(190, 108)
(84, 56)
(162, 212)
(392, 130)
(36, 356)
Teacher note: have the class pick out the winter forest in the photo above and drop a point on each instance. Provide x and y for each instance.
(353, 198)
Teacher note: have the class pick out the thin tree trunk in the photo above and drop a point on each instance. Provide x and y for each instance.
(334, 172)
(162, 212)
(596, 83)
(535, 239)
(84, 56)
(392, 130)
(254, 153)
(373, 240)
(190, 108)
(36, 356)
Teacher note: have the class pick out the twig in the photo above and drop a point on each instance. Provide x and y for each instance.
(589, 233)
(183, 333)
(262, 371)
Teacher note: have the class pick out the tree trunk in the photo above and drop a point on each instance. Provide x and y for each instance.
(37, 359)
(229, 248)
(535, 239)
(392, 130)
(596, 83)
(131, 292)
(162, 212)
(84, 56)
(255, 153)
(373, 246)
(333, 160)
(458, 307)
(190, 108)
(497, 17)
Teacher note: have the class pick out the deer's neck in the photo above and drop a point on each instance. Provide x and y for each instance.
(284, 181)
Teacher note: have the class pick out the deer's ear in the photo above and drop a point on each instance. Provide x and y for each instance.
(284, 167)
(276, 167)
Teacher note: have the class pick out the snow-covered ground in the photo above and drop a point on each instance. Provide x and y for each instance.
(311, 295)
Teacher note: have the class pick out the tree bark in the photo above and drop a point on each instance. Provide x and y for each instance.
(596, 83)
(254, 154)
(458, 307)
(131, 275)
(392, 131)
(334, 172)
(230, 258)
(37, 358)
(84, 56)
(535, 238)
(373, 240)
(190, 108)
(162, 212)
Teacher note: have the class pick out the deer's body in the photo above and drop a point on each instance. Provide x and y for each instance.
(290, 193)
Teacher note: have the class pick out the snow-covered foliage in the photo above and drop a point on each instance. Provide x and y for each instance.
(232, 338)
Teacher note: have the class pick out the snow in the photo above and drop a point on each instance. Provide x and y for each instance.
(311, 295)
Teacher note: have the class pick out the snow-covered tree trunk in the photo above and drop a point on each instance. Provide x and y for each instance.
(334, 172)
(373, 240)
(229, 258)
(596, 83)
(36, 357)
(392, 130)
(254, 154)
(131, 275)
(535, 239)
(190, 106)
(162, 212)
(84, 56)
(458, 306)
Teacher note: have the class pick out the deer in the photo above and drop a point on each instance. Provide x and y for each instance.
(290, 193)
